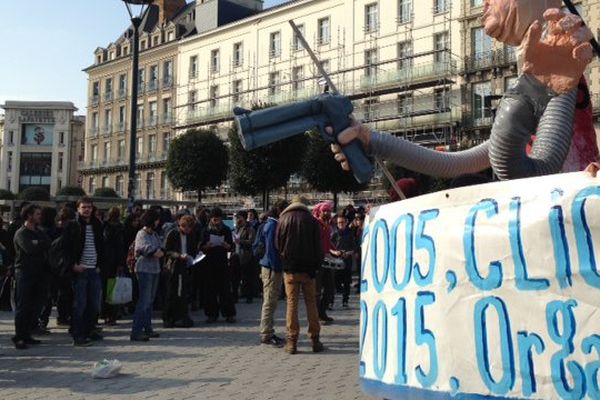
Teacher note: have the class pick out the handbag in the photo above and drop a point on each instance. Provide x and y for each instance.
(119, 290)
(334, 263)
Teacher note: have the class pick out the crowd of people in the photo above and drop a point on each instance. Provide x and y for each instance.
(178, 264)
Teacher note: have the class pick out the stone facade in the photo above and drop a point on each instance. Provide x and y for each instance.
(41, 145)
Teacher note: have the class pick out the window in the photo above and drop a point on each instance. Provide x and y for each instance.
(153, 81)
(297, 78)
(237, 89)
(170, 36)
(370, 109)
(155, 40)
(480, 111)
(481, 48)
(405, 51)
(214, 61)
(150, 185)
(141, 80)
(166, 142)
(140, 116)
(121, 149)
(119, 185)
(137, 185)
(476, 3)
(92, 185)
(509, 82)
(121, 118)
(441, 100)
(152, 144)
(10, 161)
(61, 138)
(164, 182)
(143, 45)
(108, 89)
(214, 96)
(60, 161)
(105, 181)
(510, 54)
(106, 151)
(405, 104)
(274, 83)
(167, 116)
(94, 151)
(441, 45)
(167, 73)
(96, 89)
(370, 61)
(107, 121)
(405, 13)
(297, 45)
(325, 65)
(122, 85)
(371, 18)
(192, 94)
(323, 31)
(11, 137)
(441, 6)
(94, 123)
(238, 54)
(140, 147)
(193, 71)
(153, 113)
(274, 44)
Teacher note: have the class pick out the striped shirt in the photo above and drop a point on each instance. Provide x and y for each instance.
(89, 258)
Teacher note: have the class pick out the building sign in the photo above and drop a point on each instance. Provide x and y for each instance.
(491, 290)
(37, 116)
(37, 134)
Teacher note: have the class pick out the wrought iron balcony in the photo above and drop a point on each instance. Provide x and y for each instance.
(108, 96)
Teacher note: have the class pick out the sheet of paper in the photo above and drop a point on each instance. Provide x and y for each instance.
(198, 258)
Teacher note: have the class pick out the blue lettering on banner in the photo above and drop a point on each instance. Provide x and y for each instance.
(380, 346)
(425, 242)
(528, 342)
(425, 337)
(583, 236)
(399, 311)
(364, 315)
(408, 221)
(564, 339)
(364, 285)
(591, 370)
(507, 381)
(516, 243)
(494, 278)
(562, 255)
(380, 226)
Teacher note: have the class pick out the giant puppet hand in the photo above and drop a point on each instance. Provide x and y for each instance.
(558, 59)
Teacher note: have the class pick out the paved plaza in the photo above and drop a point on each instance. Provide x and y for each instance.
(217, 361)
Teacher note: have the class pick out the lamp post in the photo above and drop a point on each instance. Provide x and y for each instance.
(141, 6)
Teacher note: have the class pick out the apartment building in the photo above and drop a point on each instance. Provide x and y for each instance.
(107, 144)
(41, 145)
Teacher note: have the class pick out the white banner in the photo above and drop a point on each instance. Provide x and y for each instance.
(490, 290)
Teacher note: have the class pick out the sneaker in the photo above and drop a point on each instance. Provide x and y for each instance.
(95, 337)
(82, 342)
(273, 341)
(31, 340)
(317, 347)
(139, 338)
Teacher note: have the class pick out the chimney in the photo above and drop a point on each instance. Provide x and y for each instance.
(168, 8)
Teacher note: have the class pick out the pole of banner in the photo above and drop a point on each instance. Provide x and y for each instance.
(334, 90)
(571, 7)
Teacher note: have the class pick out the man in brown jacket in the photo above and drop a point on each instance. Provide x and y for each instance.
(298, 239)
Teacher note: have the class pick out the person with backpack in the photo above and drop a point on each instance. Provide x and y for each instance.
(271, 274)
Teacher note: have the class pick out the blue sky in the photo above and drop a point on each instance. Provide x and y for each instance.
(45, 44)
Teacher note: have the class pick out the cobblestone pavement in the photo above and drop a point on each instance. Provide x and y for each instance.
(217, 361)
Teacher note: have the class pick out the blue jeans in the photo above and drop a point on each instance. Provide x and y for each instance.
(142, 319)
(87, 290)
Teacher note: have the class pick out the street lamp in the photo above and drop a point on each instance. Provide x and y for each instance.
(137, 10)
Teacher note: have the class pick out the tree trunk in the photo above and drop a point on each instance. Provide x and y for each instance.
(199, 193)
(335, 202)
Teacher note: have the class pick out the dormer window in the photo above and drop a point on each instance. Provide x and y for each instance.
(143, 45)
(155, 40)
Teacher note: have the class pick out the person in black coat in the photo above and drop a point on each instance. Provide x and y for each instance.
(115, 256)
(181, 247)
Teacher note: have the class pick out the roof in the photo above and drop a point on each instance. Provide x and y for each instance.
(40, 105)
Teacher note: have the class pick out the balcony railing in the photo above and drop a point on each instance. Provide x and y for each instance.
(121, 126)
(209, 113)
(167, 118)
(490, 59)
(95, 100)
(93, 132)
(108, 96)
(167, 82)
(290, 96)
(152, 121)
(153, 85)
(416, 74)
(122, 93)
(141, 89)
(107, 129)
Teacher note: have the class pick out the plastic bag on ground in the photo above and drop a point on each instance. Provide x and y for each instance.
(106, 369)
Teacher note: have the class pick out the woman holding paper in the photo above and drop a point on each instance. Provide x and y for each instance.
(216, 243)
